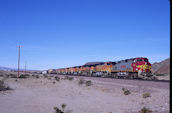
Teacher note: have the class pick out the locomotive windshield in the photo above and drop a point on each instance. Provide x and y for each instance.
(139, 60)
(146, 60)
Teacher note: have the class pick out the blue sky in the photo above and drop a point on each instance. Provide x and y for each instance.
(63, 33)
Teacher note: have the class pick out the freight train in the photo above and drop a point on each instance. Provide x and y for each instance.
(132, 68)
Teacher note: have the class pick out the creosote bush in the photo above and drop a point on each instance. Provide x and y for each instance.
(123, 89)
(88, 83)
(45, 76)
(68, 78)
(58, 110)
(126, 92)
(49, 78)
(160, 74)
(24, 76)
(81, 81)
(145, 110)
(57, 78)
(146, 95)
(3, 87)
(63, 106)
(37, 76)
(12, 75)
(54, 82)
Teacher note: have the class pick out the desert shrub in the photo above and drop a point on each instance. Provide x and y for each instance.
(123, 89)
(12, 75)
(88, 83)
(160, 74)
(24, 76)
(37, 76)
(2, 74)
(3, 87)
(57, 78)
(49, 78)
(146, 95)
(68, 78)
(145, 110)
(54, 82)
(63, 106)
(45, 76)
(126, 92)
(57, 110)
(81, 81)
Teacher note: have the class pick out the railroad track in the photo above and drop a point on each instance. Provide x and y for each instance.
(121, 78)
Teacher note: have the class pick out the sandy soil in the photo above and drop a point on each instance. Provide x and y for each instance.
(166, 77)
(40, 95)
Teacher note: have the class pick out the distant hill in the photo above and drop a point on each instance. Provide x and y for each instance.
(162, 67)
(14, 69)
(5, 68)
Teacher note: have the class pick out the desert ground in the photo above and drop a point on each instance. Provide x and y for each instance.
(104, 95)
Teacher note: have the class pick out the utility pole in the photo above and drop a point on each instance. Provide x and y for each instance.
(25, 66)
(18, 61)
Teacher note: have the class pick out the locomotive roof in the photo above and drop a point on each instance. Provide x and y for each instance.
(89, 64)
(93, 63)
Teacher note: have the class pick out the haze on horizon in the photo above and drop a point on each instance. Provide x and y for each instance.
(64, 33)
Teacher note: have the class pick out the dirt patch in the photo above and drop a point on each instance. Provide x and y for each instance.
(41, 95)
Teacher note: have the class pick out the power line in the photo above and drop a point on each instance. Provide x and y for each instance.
(18, 61)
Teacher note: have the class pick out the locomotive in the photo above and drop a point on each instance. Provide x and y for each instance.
(138, 67)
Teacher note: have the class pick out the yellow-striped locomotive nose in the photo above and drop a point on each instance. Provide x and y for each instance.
(144, 66)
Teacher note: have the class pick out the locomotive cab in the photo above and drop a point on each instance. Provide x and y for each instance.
(141, 64)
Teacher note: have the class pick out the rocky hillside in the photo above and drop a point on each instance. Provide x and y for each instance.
(162, 67)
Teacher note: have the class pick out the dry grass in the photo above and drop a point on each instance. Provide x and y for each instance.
(12, 75)
(24, 76)
(45, 76)
(57, 78)
(58, 110)
(146, 95)
(126, 92)
(145, 110)
(81, 81)
(88, 83)
(68, 78)
(3, 86)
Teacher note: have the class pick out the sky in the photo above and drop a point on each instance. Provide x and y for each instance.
(65, 33)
